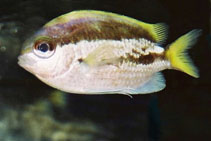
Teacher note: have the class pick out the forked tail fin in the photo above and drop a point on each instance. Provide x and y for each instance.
(177, 53)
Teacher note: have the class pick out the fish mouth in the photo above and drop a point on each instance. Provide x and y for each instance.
(26, 62)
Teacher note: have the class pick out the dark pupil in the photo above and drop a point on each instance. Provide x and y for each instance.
(43, 47)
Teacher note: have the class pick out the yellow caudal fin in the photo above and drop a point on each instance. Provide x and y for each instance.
(177, 53)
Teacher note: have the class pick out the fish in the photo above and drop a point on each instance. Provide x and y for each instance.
(98, 52)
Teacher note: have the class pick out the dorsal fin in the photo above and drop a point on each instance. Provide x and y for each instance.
(161, 32)
(158, 31)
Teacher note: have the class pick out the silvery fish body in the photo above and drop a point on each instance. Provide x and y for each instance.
(95, 52)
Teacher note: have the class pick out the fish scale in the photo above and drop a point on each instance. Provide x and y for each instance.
(121, 77)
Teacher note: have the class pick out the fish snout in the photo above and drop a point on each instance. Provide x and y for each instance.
(26, 61)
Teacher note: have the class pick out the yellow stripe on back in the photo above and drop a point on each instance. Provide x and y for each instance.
(157, 31)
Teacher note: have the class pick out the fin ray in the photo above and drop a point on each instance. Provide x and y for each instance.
(161, 32)
(158, 31)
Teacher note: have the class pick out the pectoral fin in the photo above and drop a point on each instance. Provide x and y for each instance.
(101, 56)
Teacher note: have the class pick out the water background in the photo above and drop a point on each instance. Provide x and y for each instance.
(180, 112)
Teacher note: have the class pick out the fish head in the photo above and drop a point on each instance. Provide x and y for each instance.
(44, 55)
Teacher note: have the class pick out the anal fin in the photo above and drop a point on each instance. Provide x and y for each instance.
(155, 84)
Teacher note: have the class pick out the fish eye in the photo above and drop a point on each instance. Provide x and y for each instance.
(44, 47)
(44, 50)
